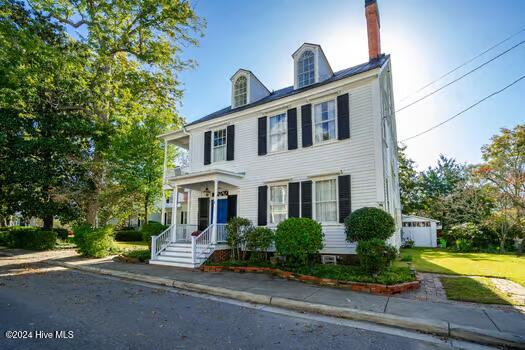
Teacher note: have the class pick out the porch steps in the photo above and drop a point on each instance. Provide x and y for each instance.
(178, 254)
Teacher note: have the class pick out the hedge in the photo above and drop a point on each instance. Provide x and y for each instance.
(129, 235)
(26, 237)
(369, 223)
(298, 239)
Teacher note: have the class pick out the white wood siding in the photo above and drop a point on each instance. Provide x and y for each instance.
(356, 156)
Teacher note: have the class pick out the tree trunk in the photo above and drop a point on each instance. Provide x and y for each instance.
(48, 223)
(502, 245)
(146, 210)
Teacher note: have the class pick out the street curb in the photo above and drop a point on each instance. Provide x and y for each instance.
(437, 327)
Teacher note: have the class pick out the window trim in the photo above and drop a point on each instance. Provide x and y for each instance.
(315, 57)
(314, 199)
(268, 204)
(234, 105)
(335, 119)
(268, 133)
(212, 156)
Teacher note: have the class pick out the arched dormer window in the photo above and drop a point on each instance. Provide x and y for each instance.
(240, 92)
(306, 69)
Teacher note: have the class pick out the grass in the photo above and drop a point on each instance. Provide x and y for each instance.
(476, 289)
(443, 261)
(139, 245)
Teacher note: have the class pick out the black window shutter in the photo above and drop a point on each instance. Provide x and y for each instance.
(262, 204)
(262, 136)
(306, 199)
(230, 142)
(343, 117)
(293, 200)
(207, 147)
(232, 206)
(306, 124)
(292, 128)
(344, 187)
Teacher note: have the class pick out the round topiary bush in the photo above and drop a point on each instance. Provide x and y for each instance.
(375, 255)
(369, 223)
(298, 239)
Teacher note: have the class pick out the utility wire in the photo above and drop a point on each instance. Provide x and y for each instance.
(463, 111)
(461, 77)
(465, 63)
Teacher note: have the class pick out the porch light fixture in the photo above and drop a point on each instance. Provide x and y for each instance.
(207, 192)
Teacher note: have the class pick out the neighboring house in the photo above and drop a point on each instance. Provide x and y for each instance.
(423, 231)
(319, 149)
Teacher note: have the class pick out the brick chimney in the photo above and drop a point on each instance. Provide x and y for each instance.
(373, 29)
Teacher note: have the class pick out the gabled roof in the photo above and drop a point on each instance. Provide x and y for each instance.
(289, 91)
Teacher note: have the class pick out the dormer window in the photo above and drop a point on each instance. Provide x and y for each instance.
(240, 91)
(306, 69)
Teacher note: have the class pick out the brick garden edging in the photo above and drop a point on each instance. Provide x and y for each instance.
(374, 288)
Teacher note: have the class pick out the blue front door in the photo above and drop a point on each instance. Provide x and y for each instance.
(222, 212)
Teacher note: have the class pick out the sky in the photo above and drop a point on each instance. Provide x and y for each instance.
(424, 38)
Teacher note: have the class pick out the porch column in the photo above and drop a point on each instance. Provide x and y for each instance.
(175, 197)
(215, 205)
(163, 206)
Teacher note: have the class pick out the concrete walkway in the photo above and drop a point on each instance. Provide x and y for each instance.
(477, 316)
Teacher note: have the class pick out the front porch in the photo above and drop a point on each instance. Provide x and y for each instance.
(201, 205)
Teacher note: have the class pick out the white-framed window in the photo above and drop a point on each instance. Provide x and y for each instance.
(326, 200)
(219, 145)
(278, 132)
(278, 203)
(240, 91)
(306, 69)
(324, 121)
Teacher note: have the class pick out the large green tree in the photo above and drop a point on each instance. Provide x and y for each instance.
(135, 55)
(408, 183)
(44, 131)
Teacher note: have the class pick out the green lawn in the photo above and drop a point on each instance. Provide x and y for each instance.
(477, 289)
(132, 245)
(478, 264)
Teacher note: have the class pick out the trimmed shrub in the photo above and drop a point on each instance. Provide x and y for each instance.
(152, 228)
(96, 243)
(298, 239)
(31, 238)
(369, 223)
(375, 255)
(129, 235)
(258, 241)
(62, 233)
(236, 229)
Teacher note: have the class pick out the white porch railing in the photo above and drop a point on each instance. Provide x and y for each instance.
(160, 242)
(201, 245)
(222, 235)
(183, 232)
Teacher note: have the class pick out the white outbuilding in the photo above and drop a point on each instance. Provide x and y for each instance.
(423, 231)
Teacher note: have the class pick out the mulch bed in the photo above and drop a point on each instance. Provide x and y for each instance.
(374, 288)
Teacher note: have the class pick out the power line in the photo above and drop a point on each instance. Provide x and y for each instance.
(460, 77)
(463, 111)
(465, 63)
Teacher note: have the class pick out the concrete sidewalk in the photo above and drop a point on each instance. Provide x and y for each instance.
(475, 323)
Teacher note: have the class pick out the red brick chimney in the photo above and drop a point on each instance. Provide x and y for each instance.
(373, 29)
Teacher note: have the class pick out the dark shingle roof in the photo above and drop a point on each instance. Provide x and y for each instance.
(289, 91)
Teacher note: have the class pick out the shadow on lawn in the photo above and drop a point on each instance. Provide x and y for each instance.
(472, 290)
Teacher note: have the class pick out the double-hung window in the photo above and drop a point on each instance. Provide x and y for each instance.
(278, 130)
(219, 145)
(324, 121)
(306, 69)
(278, 203)
(326, 201)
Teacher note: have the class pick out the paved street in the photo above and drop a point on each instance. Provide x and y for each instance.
(109, 313)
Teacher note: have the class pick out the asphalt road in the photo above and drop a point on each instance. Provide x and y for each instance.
(105, 313)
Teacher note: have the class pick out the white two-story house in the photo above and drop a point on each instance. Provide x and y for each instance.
(320, 148)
